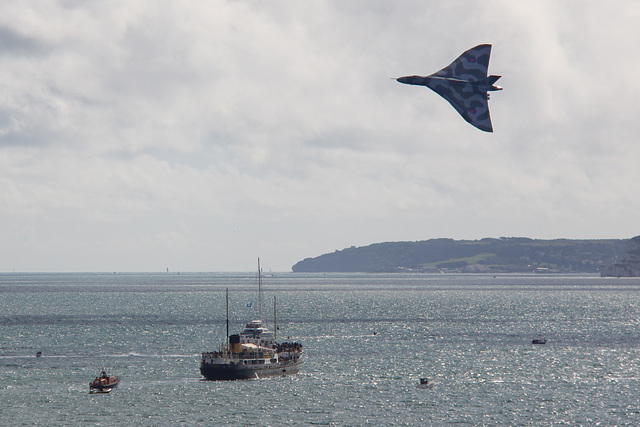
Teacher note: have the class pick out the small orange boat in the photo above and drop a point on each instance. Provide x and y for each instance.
(103, 384)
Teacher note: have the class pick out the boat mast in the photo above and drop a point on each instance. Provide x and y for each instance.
(227, 320)
(259, 291)
(275, 319)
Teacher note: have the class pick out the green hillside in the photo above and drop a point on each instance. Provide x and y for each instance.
(513, 254)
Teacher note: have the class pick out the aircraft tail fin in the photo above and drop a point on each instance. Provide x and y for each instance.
(486, 84)
(491, 80)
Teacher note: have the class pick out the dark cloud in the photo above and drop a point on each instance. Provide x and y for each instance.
(14, 43)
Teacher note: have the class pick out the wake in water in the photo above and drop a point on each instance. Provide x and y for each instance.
(95, 356)
(337, 336)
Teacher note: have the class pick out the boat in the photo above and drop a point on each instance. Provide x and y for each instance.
(539, 341)
(254, 353)
(424, 383)
(103, 384)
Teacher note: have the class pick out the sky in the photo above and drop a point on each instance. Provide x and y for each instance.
(199, 135)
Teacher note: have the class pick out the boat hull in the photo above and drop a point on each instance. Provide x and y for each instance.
(228, 372)
(102, 387)
(101, 390)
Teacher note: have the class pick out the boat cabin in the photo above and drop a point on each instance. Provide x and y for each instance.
(255, 333)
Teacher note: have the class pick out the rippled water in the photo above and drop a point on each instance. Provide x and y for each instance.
(368, 339)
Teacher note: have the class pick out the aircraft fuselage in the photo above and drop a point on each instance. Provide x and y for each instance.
(484, 85)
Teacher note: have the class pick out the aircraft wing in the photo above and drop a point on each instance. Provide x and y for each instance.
(471, 103)
(471, 66)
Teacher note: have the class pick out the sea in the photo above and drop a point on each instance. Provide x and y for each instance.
(368, 339)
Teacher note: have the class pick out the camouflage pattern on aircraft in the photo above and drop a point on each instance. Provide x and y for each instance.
(464, 83)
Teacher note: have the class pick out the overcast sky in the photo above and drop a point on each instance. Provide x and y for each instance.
(199, 135)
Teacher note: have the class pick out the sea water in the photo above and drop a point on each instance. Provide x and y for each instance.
(368, 340)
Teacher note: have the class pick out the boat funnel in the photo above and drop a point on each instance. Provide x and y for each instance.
(234, 343)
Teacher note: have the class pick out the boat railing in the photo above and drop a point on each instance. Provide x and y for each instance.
(210, 357)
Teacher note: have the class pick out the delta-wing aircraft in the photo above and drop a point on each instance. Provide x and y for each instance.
(465, 85)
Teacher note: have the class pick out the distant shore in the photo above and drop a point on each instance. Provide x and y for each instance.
(488, 255)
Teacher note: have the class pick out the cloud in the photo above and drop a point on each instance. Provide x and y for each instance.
(233, 128)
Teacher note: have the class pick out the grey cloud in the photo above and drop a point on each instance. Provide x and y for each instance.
(14, 43)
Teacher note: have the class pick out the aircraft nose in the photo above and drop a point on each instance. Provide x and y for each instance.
(412, 80)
